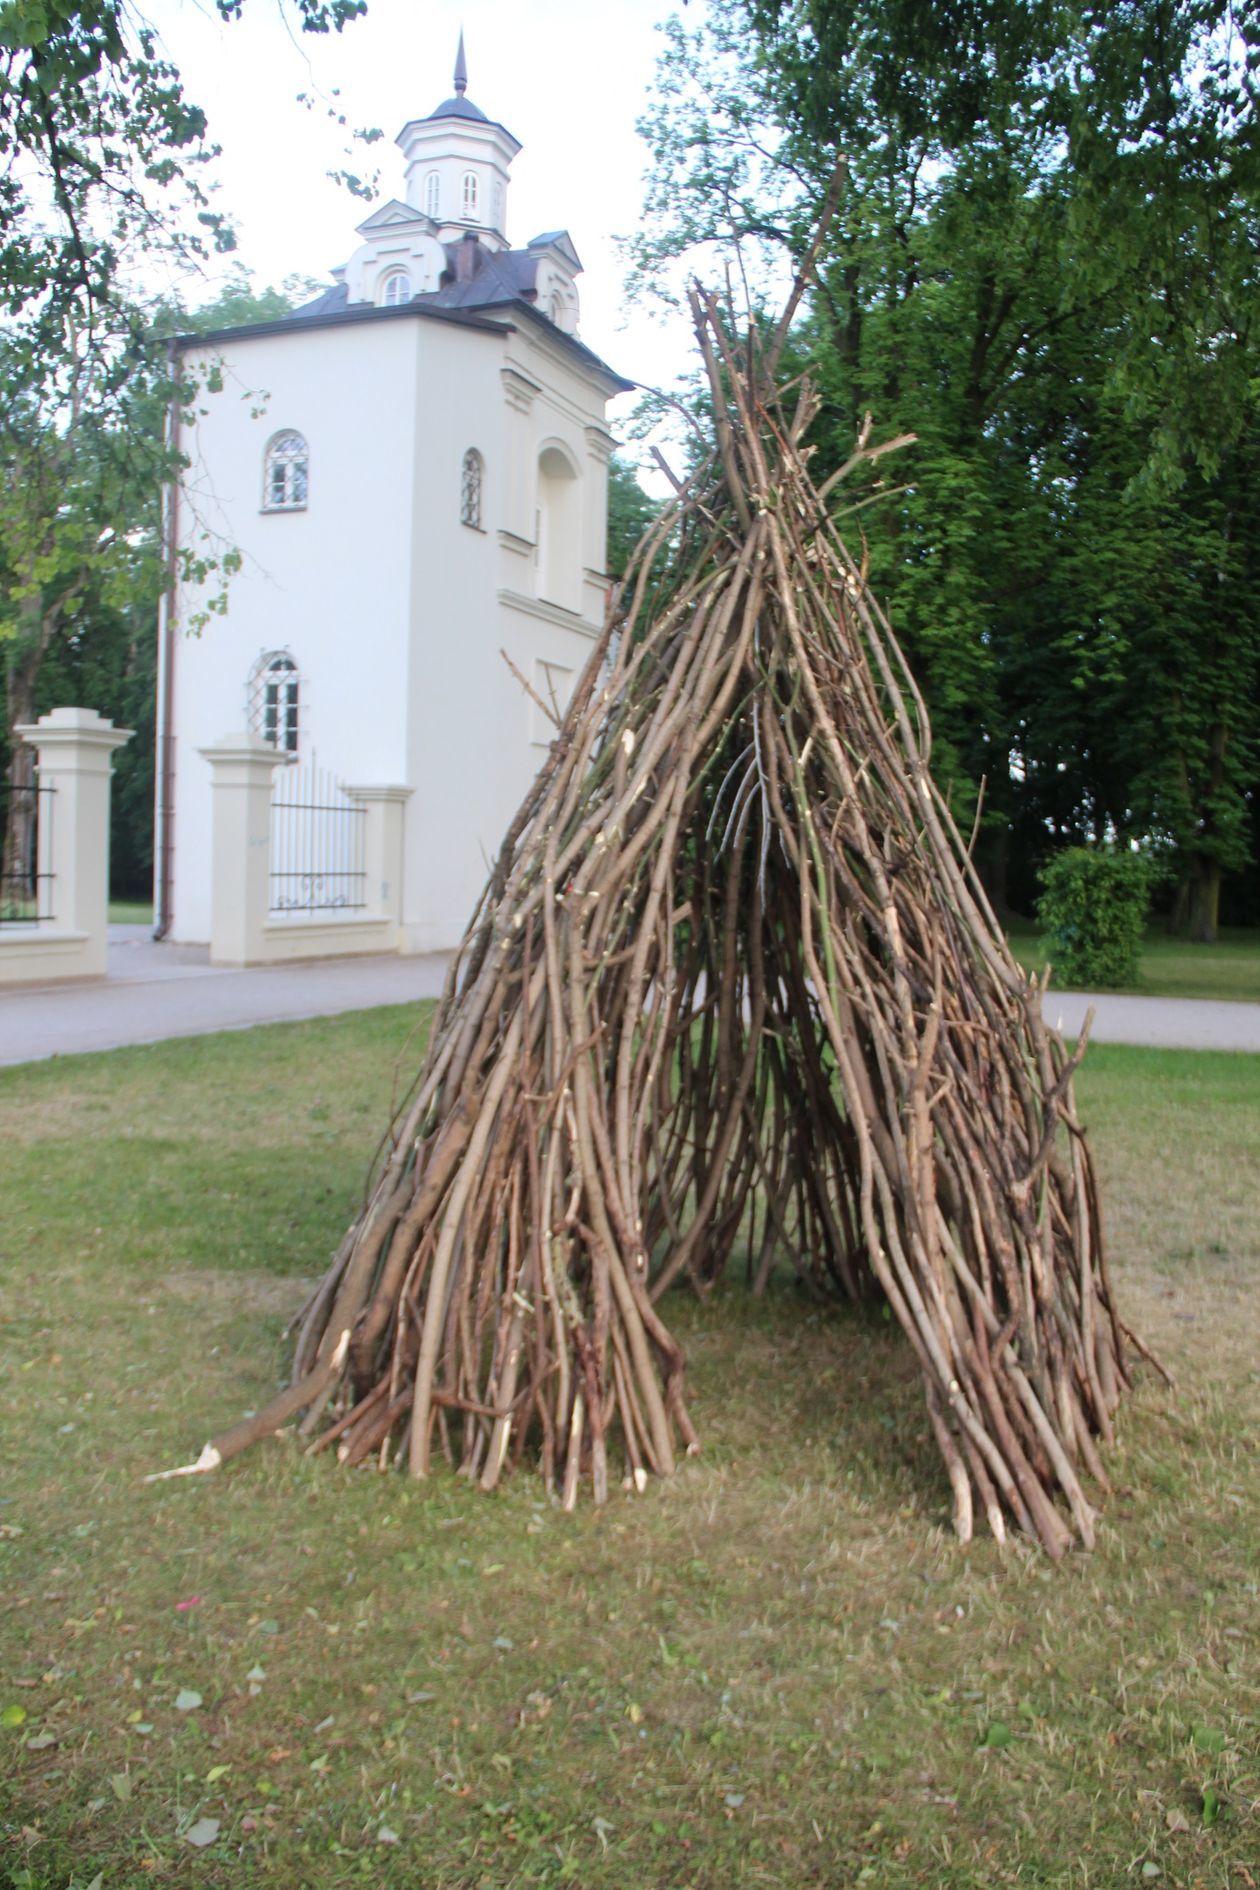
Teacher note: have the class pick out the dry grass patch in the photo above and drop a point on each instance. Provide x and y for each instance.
(777, 1669)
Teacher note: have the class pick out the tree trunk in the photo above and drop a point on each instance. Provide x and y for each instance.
(1205, 902)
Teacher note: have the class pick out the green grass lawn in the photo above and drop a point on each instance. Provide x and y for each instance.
(778, 1668)
(1171, 967)
(130, 912)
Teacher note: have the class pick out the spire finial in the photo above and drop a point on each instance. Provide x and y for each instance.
(461, 69)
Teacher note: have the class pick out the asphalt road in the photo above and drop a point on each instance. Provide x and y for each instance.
(157, 991)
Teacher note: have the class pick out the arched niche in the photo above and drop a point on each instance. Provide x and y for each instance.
(558, 532)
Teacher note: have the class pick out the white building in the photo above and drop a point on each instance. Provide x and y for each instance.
(413, 469)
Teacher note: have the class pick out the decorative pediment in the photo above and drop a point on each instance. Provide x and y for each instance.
(393, 216)
(561, 244)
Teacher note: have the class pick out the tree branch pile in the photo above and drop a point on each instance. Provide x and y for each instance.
(733, 989)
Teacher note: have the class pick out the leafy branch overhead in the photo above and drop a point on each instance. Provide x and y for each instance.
(101, 153)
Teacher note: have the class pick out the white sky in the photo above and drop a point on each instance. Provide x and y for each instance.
(567, 77)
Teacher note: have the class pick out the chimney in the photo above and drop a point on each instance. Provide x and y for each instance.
(468, 257)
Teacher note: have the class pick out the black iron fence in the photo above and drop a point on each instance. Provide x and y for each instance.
(26, 893)
(317, 841)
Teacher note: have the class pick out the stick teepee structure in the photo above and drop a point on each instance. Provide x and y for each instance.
(733, 987)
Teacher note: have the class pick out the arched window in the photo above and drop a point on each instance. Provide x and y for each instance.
(431, 194)
(275, 700)
(470, 489)
(285, 473)
(470, 195)
(396, 289)
(555, 306)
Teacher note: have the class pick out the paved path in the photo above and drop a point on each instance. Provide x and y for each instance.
(1168, 1023)
(157, 991)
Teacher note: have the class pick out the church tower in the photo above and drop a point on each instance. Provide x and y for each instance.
(448, 242)
(457, 167)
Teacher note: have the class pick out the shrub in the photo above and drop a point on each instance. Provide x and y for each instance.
(1094, 911)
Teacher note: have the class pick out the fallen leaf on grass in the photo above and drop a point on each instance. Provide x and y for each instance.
(120, 1785)
(386, 1836)
(1177, 1821)
(193, 1601)
(39, 1741)
(186, 1701)
(204, 1832)
(216, 1772)
(13, 1716)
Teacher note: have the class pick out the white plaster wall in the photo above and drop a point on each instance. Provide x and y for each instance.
(330, 583)
(404, 247)
(474, 744)
(395, 612)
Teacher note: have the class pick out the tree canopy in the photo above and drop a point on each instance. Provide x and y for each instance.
(102, 168)
(1044, 265)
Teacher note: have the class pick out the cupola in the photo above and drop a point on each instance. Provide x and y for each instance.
(457, 166)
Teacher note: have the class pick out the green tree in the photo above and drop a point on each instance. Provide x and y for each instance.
(630, 512)
(1043, 264)
(84, 455)
(102, 157)
(101, 152)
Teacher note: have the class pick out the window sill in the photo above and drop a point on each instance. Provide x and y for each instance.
(271, 510)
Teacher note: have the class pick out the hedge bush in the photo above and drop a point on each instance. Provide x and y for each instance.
(1093, 910)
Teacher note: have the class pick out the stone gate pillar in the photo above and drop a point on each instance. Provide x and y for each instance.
(240, 846)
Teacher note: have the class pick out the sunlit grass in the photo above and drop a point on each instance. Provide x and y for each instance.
(1171, 967)
(776, 1669)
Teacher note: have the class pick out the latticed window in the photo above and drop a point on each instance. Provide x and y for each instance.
(431, 194)
(397, 289)
(285, 473)
(470, 489)
(275, 700)
(470, 194)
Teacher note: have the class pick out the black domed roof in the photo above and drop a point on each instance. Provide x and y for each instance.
(460, 107)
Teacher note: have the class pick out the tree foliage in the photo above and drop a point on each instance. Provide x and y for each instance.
(100, 150)
(630, 512)
(102, 168)
(84, 453)
(1044, 265)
